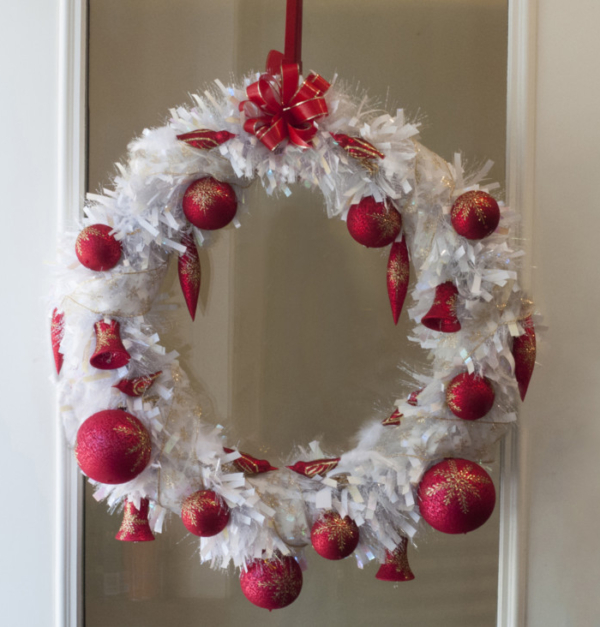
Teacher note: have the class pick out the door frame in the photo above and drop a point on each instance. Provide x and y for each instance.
(520, 154)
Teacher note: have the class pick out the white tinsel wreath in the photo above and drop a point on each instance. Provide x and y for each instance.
(382, 472)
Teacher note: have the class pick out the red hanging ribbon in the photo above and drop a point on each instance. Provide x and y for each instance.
(278, 108)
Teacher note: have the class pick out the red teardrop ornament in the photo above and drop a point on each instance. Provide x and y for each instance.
(396, 566)
(250, 465)
(475, 215)
(272, 584)
(398, 270)
(96, 249)
(110, 353)
(373, 224)
(209, 204)
(316, 467)
(135, 526)
(204, 139)
(188, 268)
(442, 315)
(456, 496)
(524, 350)
(334, 537)
(204, 513)
(470, 396)
(393, 420)
(57, 332)
(112, 447)
(138, 386)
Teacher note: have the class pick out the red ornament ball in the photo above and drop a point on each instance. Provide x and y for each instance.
(96, 249)
(475, 215)
(373, 224)
(112, 447)
(456, 496)
(334, 537)
(204, 513)
(272, 584)
(209, 204)
(470, 396)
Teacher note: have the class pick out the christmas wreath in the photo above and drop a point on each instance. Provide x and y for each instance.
(129, 413)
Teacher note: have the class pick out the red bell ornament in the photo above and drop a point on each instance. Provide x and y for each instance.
(135, 526)
(204, 513)
(57, 332)
(97, 249)
(373, 224)
(398, 270)
(470, 396)
(334, 537)
(188, 268)
(272, 584)
(524, 351)
(475, 215)
(396, 566)
(113, 447)
(209, 204)
(442, 315)
(456, 496)
(110, 353)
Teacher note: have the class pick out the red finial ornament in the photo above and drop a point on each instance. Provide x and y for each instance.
(135, 526)
(524, 351)
(188, 268)
(398, 271)
(57, 331)
(110, 353)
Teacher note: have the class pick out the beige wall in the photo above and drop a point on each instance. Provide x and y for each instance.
(561, 419)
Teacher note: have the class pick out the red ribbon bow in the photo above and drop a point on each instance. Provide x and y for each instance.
(277, 108)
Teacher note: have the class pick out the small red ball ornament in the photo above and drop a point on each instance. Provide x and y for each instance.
(334, 537)
(96, 249)
(112, 447)
(272, 584)
(204, 513)
(373, 224)
(209, 204)
(470, 396)
(456, 496)
(475, 215)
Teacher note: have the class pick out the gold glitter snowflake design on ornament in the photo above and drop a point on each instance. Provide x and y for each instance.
(142, 447)
(283, 586)
(398, 273)
(196, 503)
(388, 223)
(458, 484)
(337, 529)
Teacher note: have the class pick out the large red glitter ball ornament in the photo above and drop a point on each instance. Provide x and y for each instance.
(209, 204)
(96, 249)
(334, 537)
(112, 447)
(470, 396)
(373, 224)
(456, 496)
(272, 584)
(204, 513)
(475, 215)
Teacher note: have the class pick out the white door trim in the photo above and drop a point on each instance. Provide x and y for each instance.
(520, 189)
(520, 171)
(71, 192)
